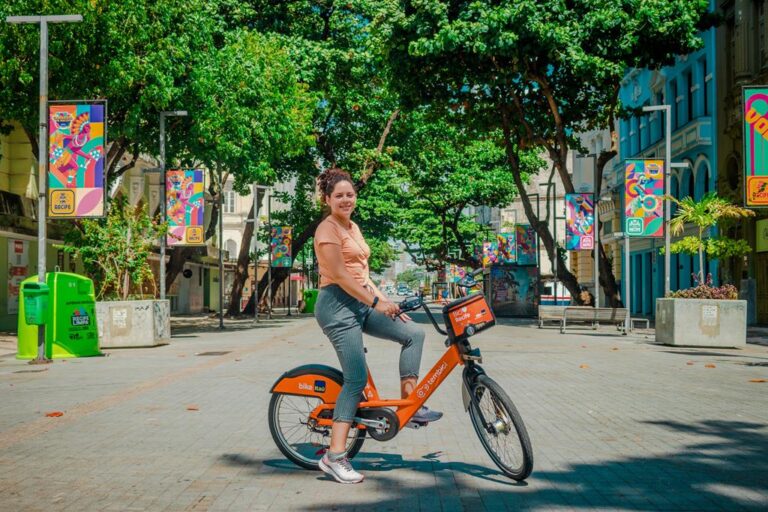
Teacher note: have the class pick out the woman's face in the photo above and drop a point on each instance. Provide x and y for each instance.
(343, 199)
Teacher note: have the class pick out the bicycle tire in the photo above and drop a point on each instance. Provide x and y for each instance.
(315, 444)
(522, 465)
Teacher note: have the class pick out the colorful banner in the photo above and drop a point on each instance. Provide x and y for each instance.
(526, 245)
(184, 206)
(77, 138)
(456, 273)
(507, 248)
(579, 222)
(644, 198)
(281, 246)
(18, 268)
(490, 254)
(755, 147)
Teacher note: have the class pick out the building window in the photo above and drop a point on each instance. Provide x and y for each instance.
(660, 117)
(673, 103)
(229, 201)
(689, 93)
(705, 86)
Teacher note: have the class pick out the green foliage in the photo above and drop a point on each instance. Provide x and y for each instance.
(707, 213)
(552, 66)
(115, 250)
(246, 106)
(704, 213)
(715, 248)
(445, 169)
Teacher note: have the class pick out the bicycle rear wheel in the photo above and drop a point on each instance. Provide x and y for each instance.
(500, 428)
(303, 444)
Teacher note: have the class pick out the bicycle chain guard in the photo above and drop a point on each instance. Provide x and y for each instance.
(385, 415)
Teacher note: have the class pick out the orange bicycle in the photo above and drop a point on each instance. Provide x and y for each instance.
(301, 408)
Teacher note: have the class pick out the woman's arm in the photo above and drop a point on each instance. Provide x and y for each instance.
(335, 270)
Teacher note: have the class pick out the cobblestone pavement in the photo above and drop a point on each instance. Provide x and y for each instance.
(616, 423)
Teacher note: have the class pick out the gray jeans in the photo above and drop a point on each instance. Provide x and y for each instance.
(344, 319)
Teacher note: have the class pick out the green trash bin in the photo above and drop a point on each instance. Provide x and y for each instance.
(35, 302)
(69, 318)
(310, 297)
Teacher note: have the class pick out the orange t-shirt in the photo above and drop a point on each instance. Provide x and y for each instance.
(353, 249)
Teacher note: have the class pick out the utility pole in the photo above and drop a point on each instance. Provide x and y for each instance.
(42, 152)
(163, 239)
(221, 251)
(667, 109)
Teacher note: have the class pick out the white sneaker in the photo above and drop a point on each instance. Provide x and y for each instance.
(341, 470)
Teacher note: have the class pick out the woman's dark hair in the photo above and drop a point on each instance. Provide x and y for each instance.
(328, 180)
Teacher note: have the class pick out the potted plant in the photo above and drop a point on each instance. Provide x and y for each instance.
(115, 254)
(704, 315)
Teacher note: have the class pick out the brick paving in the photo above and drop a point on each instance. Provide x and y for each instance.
(616, 423)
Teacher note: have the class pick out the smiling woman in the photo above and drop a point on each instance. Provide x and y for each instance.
(348, 304)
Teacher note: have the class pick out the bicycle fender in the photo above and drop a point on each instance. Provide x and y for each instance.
(468, 378)
(465, 396)
(317, 380)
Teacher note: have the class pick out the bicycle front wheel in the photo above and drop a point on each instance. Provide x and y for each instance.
(500, 428)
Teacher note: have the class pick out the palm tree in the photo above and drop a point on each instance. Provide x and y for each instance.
(704, 214)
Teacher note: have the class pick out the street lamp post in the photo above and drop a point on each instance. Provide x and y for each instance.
(667, 109)
(42, 151)
(596, 238)
(221, 250)
(163, 241)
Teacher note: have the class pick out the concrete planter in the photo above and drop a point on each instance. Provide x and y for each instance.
(134, 323)
(701, 322)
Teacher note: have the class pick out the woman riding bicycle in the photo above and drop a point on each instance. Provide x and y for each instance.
(348, 305)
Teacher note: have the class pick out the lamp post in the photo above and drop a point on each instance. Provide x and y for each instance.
(221, 250)
(42, 151)
(596, 241)
(667, 109)
(163, 241)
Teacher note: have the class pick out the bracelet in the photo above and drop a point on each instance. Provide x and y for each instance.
(375, 301)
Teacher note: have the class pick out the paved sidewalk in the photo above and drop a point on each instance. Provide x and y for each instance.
(616, 423)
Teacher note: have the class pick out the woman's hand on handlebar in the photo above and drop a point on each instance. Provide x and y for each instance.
(387, 307)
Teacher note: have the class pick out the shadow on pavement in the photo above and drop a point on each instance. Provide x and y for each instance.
(726, 469)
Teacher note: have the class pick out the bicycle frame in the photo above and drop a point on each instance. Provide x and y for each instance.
(405, 407)
(325, 382)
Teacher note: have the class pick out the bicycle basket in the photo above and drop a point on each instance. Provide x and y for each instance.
(467, 316)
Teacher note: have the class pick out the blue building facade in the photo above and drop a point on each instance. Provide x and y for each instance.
(689, 87)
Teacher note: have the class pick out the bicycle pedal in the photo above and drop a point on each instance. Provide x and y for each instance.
(416, 424)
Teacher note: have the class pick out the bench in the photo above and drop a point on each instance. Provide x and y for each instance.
(553, 313)
(616, 316)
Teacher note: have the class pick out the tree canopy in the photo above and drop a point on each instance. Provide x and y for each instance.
(539, 71)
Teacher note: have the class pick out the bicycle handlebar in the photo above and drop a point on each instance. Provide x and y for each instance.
(416, 302)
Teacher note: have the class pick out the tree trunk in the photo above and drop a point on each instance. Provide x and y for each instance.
(542, 228)
(241, 271)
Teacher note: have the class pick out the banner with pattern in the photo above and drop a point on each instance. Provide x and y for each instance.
(184, 207)
(579, 222)
(280, 246)
(76, 142)
(755, 147)
(526, 245)
(507, 248)
(644, 198)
